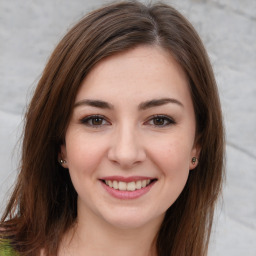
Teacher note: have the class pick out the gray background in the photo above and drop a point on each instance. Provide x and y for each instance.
(29, 31)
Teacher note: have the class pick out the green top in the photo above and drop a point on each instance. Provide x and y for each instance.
(6, 248)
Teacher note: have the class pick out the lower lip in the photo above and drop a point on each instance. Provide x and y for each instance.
(125, 195)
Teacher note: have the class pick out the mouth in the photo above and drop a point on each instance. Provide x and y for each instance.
(133, 185)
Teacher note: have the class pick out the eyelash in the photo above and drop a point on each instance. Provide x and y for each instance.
(89, 119)
(166, 121)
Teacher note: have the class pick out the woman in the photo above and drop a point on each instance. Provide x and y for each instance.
(123, 141)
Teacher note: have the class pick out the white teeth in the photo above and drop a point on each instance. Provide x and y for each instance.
(138, 184)
(115, 184)
(127, 186)
(143, 183)
(122, 185)
(131, 186)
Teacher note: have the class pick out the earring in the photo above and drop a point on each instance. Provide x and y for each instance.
(63, 161)
(194, 159)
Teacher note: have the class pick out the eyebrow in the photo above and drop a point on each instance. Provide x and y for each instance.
(158, 102)
(94, 103)
(142, 106)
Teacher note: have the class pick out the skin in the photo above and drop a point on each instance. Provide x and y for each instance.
(128, 140)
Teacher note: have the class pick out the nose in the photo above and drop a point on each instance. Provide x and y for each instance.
(126, 148)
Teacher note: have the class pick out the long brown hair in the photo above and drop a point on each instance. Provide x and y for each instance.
(43, 205)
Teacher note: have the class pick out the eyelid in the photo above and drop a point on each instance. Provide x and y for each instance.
(170, 120)
(86, 119)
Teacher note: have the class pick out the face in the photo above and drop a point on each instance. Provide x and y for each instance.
(131, 138)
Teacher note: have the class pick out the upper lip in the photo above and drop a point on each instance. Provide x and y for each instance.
(127, 179)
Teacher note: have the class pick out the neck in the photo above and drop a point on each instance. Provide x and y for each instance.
(93, 237)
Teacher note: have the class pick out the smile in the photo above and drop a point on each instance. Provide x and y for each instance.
(127, 186)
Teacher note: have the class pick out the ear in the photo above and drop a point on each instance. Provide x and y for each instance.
(195, 156)
(62, 156)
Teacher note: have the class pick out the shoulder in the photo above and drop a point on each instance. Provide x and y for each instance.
(6, 248)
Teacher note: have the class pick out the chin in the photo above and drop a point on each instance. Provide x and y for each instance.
(133, 220)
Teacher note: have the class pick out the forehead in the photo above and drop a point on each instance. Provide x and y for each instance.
(140, 73)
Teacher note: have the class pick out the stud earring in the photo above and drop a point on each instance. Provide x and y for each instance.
(63, 161)
(194, 159)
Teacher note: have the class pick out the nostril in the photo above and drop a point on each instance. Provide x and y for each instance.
(126, 151)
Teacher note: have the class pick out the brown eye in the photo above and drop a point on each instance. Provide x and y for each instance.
(94, 121)
(160, 121)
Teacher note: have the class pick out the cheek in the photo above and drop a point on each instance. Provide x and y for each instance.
(172, 163)
(83, 153)
(172, 157)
